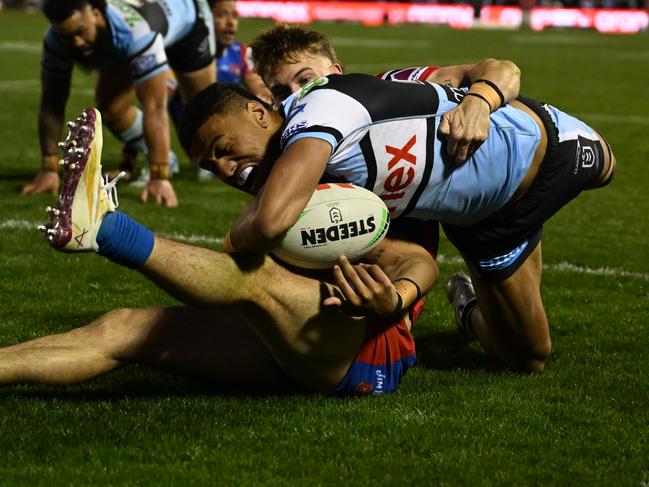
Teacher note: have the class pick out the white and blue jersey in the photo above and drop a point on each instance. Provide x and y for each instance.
(384, 137)
(140, 31)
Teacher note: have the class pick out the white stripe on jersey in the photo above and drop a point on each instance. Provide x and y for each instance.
(574, 134)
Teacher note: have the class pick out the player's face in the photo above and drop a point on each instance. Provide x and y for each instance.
(81, 31)
(226, 21)
(290, 77)
(235, 146)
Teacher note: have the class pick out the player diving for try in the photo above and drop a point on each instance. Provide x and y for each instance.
(385, 137)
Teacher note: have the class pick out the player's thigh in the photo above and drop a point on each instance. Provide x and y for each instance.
(313, 343)
(192, 82)
(216, 345)
(513, 309)
(114, 92)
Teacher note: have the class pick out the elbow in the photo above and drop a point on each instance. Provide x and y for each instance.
(271, 229)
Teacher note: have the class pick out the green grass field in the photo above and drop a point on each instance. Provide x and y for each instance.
(455, 420)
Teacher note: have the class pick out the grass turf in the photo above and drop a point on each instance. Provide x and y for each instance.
(454, 421)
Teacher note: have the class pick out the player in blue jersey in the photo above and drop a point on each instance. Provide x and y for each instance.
(132, 45)
(385, 136)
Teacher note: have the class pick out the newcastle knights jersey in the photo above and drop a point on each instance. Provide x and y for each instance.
(140, 30)
(383, 136)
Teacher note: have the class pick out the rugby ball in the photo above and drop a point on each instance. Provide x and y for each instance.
(340, 219)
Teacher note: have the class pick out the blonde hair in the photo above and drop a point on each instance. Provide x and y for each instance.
(282, 44)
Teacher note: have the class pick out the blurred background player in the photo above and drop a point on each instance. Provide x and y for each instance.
(233, 62)
(131, 46)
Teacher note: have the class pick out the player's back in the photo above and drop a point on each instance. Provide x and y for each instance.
(384, 137)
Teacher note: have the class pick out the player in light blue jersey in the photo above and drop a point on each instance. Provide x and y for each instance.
(132, 44)
(385, 137)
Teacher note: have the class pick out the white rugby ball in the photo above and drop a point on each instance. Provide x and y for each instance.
(340, 219)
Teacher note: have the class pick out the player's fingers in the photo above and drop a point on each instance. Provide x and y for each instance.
(368, 280)
(345, 287)
(333, 301)
(378, 275)
(144, 195)
(351, 275)
(462, 151)
(444, 126)
(27, 189)
(158, 198)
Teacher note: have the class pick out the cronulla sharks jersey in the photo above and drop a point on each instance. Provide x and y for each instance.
(140, 30)
(384, 137)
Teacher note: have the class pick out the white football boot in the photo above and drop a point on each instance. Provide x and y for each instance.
(461, 295)
(85, 197)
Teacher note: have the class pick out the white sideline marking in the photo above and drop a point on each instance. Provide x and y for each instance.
(12, 224)
(35, 47)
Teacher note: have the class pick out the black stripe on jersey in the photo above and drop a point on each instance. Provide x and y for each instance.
(383, 99)
(431, 133)
(370, 161)
(154, 15)
(319, 128)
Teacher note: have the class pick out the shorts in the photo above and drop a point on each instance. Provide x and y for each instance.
(497, 246)
(197, 49)
(387, 352)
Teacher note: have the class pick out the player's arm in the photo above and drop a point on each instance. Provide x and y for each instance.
(152, 93)
(492, 83)
(393, 276)
(279, 203)
(55, 91)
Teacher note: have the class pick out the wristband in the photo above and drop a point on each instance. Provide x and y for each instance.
(487, 93)
(494, 87)
(482, 98)
(413, 283)
(159, 170)
(397, 311)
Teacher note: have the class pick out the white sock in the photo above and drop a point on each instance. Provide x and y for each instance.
(134, 135)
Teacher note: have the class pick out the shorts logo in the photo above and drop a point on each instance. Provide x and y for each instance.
(586, 157)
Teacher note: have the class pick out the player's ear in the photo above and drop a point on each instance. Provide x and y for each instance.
(259, 113)
(336, 69)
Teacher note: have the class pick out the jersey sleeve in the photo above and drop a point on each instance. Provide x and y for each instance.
(311, 115)
(148, 60)
(408, 74)
(57, 58)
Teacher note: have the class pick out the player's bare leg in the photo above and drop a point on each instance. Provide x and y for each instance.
(114, 96)
(312, 343)
(190, 83)
(510, 320)
(220, 348)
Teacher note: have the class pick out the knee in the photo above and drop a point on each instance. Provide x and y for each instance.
(533, 357)
(113, 113)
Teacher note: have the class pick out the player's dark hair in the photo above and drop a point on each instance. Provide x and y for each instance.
(281, 44)
(59, 10)
(218, 98)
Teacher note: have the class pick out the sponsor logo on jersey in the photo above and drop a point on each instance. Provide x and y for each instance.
(315, 237)
(292, 129)
(144, 63)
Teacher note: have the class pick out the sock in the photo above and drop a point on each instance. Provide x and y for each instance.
(124, 241)
(134, 135)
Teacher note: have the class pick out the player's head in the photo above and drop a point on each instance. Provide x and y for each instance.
(226, 21)
(231, 133)
(80, 24)
(289, 57)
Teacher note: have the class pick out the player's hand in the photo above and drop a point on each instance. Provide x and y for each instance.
(44, 182)
(161, 191)
(365, 287)
(465, 127)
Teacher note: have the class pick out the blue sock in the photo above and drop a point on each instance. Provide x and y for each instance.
(123, 240)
